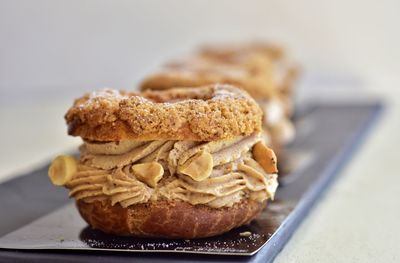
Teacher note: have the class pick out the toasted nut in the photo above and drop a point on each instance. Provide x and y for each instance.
(149, 173)
(62, 169)
(265, 157)
(198, 167)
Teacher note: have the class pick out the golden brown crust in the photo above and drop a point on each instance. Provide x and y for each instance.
(204, 114)
(168, 219)
(233, 52)
(248, 75)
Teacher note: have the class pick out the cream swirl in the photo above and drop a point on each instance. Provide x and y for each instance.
(105, 172)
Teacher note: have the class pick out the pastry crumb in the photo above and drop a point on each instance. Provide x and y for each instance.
(245, 234)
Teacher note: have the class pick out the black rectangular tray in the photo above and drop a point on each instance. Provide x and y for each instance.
(39, 222)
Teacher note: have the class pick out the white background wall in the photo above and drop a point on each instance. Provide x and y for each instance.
(58, 47)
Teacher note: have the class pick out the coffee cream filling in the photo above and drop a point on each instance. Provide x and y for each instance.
(217, 174)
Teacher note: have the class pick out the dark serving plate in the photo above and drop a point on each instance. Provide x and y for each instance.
(38, 222)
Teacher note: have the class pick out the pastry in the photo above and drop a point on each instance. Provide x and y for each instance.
(180, 163)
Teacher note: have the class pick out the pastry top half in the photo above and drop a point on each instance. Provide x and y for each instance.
(206, 113)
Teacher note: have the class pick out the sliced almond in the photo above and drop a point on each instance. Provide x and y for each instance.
(62, 169)
(198, 167)
(265, 157)
(149, 173)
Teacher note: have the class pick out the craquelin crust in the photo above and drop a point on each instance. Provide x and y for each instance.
(233, 52)
(168, 219)
(255, 85)
(206, 113)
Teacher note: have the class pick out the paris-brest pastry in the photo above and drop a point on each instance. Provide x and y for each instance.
(177, 163)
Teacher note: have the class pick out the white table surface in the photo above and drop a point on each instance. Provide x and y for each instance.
(356, 220)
